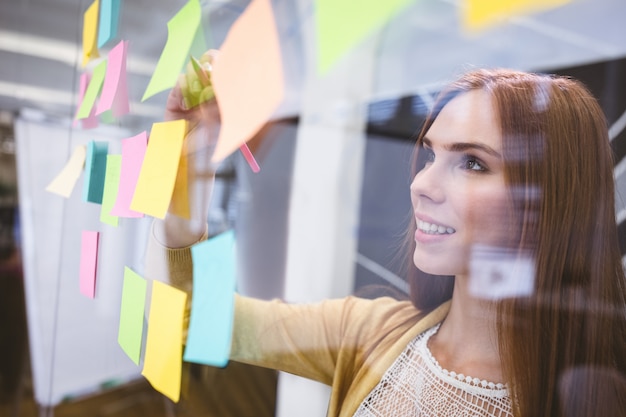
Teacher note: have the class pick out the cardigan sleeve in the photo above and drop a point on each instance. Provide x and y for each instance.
(314, 340)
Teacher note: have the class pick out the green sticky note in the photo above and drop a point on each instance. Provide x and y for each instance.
(130, 331)
(341, 24)
(93, 90)
(184, 35)
(95, 171)
(111, 184)
(212, 309)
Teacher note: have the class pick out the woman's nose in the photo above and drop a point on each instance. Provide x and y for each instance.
(427, 184)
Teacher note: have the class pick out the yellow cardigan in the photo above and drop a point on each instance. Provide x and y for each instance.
(347, 343)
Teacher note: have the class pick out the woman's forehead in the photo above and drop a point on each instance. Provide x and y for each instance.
(469, 117)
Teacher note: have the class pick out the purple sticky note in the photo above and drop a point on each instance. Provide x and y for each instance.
(88, 263)
(114, 95)
(133, 151)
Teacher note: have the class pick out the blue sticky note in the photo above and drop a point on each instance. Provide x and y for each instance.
(109, 21)
(212, 306)
(95, 171)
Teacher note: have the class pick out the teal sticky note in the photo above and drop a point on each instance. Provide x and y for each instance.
(130, 331)
(212, 306)
(109, 21)
(95, 171)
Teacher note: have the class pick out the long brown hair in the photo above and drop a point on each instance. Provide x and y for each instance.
(563, 349)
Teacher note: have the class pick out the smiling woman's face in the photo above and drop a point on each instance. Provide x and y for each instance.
(460, 197)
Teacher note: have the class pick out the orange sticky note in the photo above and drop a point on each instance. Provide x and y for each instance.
(114, 95)
(90, 33)
(480, 14)
(247, 77)
(88, 263)
(164, 346)
(155, 185)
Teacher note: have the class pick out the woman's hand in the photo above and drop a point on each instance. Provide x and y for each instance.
(192, 99)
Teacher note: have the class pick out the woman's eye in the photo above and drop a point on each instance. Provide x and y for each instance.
(473, 164)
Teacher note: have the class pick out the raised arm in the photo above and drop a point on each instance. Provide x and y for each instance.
(168, 257)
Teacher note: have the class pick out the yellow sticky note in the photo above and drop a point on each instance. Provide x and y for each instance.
(90, 33)
(64, 182)
(164, 344)
(182, 32)
(480, 14)
(157, 177)
(180, 197)
(111, 185)
(247, 77)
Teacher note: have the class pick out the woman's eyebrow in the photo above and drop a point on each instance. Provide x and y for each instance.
(465, 146)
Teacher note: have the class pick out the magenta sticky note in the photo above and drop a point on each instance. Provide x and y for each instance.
(91, 121)
(114, 94)
(88, 263)
(133, 151)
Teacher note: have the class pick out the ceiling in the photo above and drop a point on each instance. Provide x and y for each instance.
(40, 45)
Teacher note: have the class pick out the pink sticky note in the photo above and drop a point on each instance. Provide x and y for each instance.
(114, 95)
(88, 263)
(247, 77)
(91, 121)
(133, 151)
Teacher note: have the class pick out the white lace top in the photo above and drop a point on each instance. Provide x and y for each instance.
(416, 385)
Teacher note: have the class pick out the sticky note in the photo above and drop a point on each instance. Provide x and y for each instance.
(64, 182)
(155, 184)
(183, 31)
(90, 33)
(164, 345)
(179, 205)
(247, 77)
(114, 95)
(481, 14)
(111, 183)
(212, 309)
(133, 151)
(95, 171)
(88, 263)
(90, 121)
(109, 21)
(341, 24)
(130, 331)
(93, 90)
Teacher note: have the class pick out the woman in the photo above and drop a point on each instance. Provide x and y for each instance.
(513, 186)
